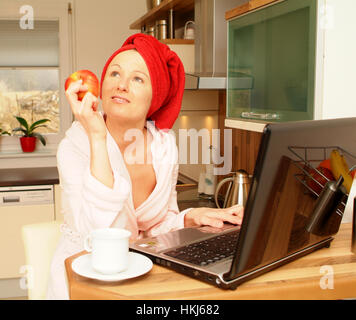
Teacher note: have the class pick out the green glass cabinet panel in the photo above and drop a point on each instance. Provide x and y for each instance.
(271, 62)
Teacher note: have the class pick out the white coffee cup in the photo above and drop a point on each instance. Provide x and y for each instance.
(109, 249)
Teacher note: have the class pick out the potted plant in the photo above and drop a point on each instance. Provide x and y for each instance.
(29, 138)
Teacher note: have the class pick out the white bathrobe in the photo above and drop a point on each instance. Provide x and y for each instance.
(87, 204)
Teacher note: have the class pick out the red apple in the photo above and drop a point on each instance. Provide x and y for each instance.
(89, 79)
(318, 177)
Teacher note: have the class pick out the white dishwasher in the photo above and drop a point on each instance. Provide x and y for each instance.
(21, 205)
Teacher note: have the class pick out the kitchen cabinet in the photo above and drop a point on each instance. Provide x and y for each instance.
(325, 89)
(245, 143)
(27, 196)
(20, 206)
(271, 62)
(58, 203)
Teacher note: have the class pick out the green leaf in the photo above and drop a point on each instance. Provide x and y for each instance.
(30, 132)
(40, 137)
(37, 124)
(23, 122)
(25, 132)
(2, 132)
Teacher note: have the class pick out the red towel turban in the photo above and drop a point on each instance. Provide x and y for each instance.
(167, 77)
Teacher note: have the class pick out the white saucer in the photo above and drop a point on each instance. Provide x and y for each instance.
(138, 265)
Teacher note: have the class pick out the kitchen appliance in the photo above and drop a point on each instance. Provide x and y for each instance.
(277, 211)
(237, 189)
(210, 44)
(21, 205)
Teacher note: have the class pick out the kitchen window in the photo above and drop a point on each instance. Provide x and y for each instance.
(35, 58)
(32, 93)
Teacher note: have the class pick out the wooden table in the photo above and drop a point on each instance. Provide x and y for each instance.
(333, 269)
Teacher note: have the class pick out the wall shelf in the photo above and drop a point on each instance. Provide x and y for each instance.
(162, 11)
(177, 41)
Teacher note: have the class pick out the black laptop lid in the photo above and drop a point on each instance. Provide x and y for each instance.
(281, 201)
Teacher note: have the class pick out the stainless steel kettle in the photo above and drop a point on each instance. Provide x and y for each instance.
(237, 190)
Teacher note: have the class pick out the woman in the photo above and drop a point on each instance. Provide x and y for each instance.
(103, 184)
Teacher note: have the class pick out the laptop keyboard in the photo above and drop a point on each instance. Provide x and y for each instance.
(207, 251)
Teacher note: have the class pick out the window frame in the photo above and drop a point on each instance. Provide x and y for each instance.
(46, 10)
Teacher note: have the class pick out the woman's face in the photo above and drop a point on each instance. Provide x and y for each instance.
(127, 89)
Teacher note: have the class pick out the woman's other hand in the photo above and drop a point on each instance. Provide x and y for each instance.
(85, 111)
(214, 217)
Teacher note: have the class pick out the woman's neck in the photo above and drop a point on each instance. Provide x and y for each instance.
(134, 133)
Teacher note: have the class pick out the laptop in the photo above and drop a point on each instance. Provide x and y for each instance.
(279, 207)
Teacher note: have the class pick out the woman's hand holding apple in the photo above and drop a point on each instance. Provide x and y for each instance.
(84, 106)
(88, 78)
(82, 97)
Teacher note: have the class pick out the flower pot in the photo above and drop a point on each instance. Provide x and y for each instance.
(28, 144)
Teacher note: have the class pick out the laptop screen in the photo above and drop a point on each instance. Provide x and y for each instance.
(285, 189)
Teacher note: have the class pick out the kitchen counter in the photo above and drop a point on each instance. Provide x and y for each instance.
(188, 196)
(195, 203)
(28, 176)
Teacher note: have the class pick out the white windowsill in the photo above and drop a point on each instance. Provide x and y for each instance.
(20, 154)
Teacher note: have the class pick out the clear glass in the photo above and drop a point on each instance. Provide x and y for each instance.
(271, 62)
(32, 94)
